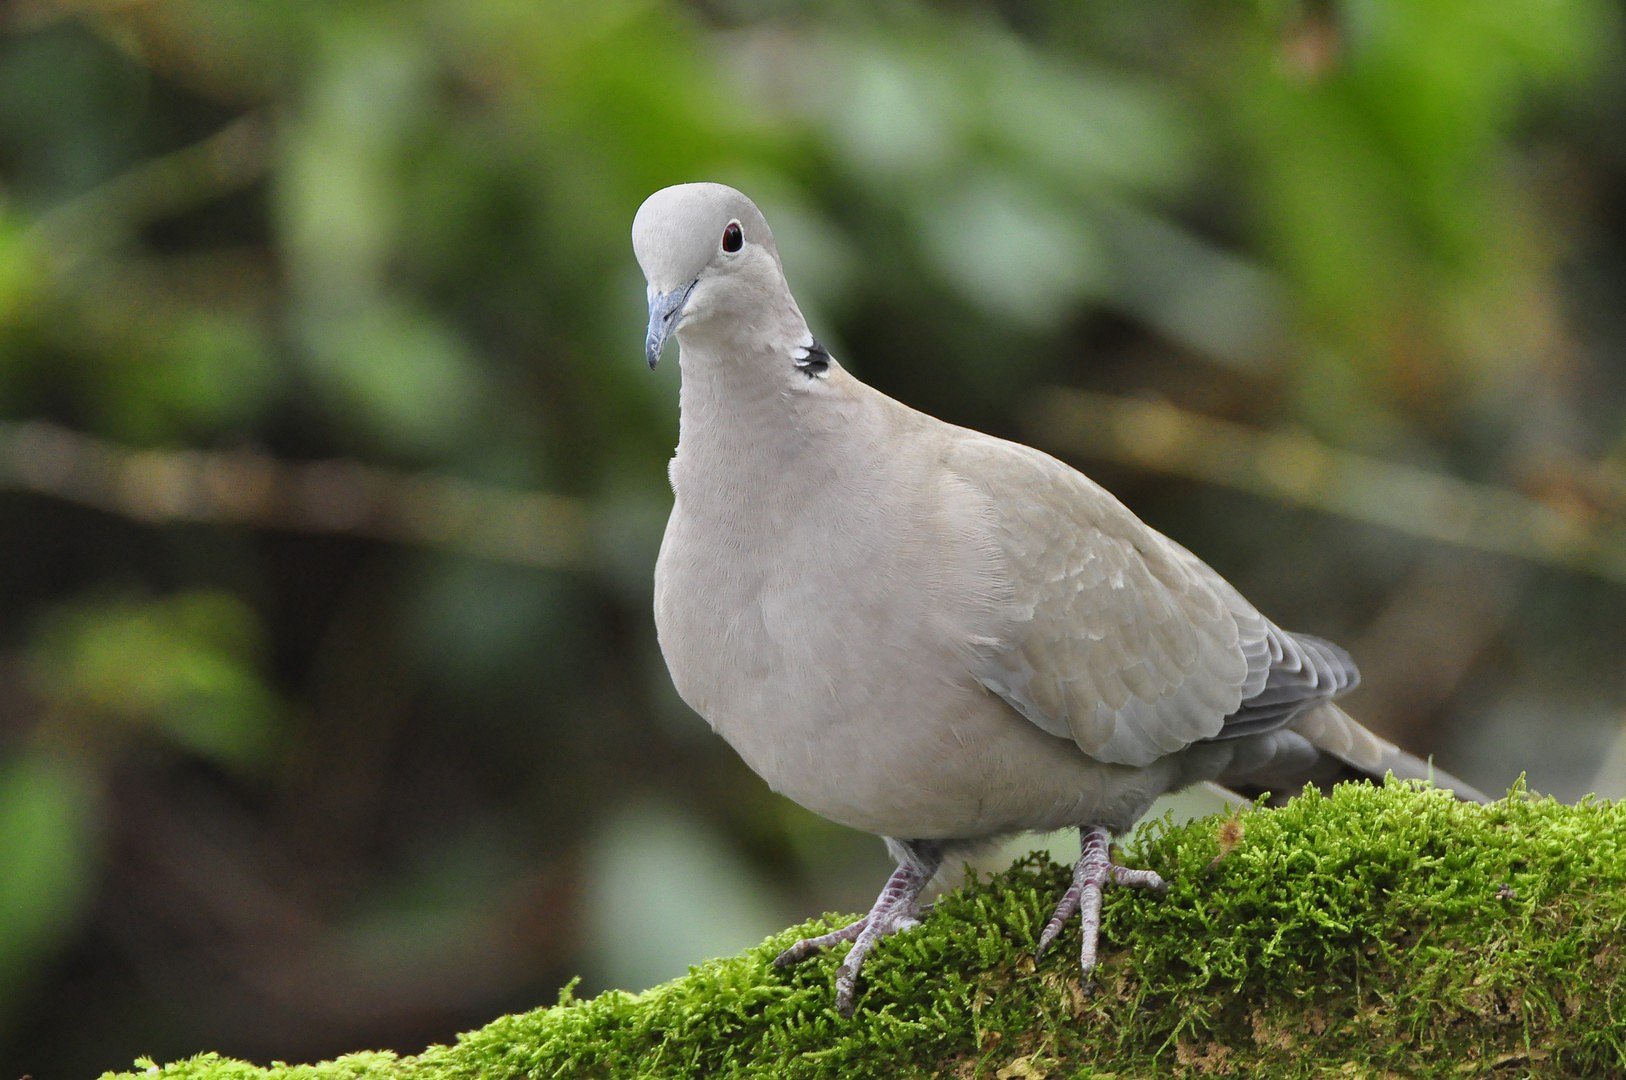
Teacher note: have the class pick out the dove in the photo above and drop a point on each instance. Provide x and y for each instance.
(934, 635)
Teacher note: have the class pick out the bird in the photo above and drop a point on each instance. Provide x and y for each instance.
(934, 635)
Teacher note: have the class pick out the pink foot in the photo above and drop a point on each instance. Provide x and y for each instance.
(1090, 876)
(897, 908)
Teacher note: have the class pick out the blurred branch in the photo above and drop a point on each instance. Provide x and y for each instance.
(1297, 469)
(243, 487)
(231, 158)
(23, 16)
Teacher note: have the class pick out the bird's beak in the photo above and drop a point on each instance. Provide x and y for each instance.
(665, 310)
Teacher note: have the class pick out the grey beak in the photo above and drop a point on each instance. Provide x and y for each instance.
(665, 309)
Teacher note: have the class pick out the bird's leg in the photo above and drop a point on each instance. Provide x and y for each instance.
(1090, 876)
(897, 908)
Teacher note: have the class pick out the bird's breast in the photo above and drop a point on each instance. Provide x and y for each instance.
(828, 644)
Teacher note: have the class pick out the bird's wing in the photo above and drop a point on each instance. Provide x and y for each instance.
(1116, 636)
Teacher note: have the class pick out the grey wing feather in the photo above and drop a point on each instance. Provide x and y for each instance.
(1117, 637)
(1303, 670)
(1287, 672)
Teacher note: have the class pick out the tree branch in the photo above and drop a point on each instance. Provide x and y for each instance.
(243, 487)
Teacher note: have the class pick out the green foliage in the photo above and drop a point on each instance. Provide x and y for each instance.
(48, 835)
(1380, 928)
(1383, 196)
(183, 665)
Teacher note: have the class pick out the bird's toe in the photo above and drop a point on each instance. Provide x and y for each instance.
(806, 947)
(1095, 870)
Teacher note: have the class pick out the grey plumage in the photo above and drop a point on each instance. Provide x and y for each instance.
(929, 633)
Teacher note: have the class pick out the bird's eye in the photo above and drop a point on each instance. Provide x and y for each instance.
(733, 237)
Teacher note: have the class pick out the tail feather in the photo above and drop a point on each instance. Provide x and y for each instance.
(1339, 736)
(1322, 746)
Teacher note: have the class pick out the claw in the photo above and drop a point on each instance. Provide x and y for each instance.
(897, 908)
(879, 925)
(1095, 868)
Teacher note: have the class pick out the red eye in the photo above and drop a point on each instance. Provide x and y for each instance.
(732, 237)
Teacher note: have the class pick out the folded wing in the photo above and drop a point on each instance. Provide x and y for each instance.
(1114, 635)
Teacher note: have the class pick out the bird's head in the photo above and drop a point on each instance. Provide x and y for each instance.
(706, 252)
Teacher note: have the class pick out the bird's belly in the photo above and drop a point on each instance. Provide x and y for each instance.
(951, 766)
(848, 713)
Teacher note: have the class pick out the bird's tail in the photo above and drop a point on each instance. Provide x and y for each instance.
(1347, 747)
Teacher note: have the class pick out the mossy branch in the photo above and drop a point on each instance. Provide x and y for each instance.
(1372, 930)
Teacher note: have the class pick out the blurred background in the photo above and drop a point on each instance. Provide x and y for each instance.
(331, 476)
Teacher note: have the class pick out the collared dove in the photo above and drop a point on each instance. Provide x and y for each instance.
(932, 634)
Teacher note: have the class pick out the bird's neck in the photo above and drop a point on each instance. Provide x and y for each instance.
(749, 413)
(733, 404)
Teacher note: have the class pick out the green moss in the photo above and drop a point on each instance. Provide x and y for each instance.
(1375, 929)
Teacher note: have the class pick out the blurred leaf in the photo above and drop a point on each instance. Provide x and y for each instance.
(337, 197)
(48, 816)
(18, 271)
(1196, 292)
(189, 371)
(1384, 187)
(396, 372)
(1012, 254)
(65, 79)
(898, 114)
(183, 665)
